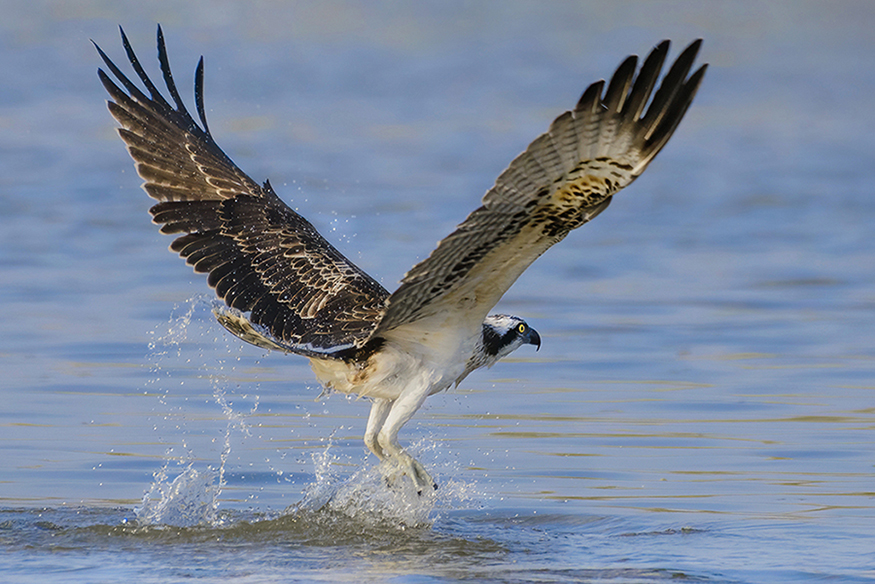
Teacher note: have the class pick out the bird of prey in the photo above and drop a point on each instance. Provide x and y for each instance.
(286, 288)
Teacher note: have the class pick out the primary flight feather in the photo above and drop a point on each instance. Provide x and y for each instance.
(286, 288)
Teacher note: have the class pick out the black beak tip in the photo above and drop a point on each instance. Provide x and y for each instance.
(535, 339)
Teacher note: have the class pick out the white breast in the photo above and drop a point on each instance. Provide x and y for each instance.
(422, 356)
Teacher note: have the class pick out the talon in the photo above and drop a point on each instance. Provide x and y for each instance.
(420, 477)
(406, 465)
(419, 492)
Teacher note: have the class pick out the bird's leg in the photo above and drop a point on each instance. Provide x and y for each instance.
(400, 412)
(379, 410)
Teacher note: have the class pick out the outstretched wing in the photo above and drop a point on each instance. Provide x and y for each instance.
(286, 286)
(565, 178)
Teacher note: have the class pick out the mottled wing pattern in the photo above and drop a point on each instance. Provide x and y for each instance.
(286, 286)
(565, 178)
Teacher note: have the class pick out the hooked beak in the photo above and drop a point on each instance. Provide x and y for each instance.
(533, 338)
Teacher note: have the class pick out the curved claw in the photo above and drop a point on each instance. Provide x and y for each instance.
(420, 477)
(404, 464)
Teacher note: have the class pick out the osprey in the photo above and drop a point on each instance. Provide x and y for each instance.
(286, 288)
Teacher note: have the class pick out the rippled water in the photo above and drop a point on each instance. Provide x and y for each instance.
(702, 405)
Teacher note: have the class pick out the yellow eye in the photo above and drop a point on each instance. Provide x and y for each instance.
(521, 328)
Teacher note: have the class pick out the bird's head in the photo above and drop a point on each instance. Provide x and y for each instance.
(503, 334)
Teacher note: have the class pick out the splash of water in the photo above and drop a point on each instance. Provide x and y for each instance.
(370, 498)
(192, 497)
(189, 500)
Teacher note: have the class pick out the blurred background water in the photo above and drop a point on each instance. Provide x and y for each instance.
(702, 405)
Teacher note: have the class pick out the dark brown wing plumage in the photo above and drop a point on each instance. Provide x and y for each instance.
(565, 178)
(262, 258)
(289, 289)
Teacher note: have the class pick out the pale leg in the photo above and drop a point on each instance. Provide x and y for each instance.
(401, 411)
(379, 410)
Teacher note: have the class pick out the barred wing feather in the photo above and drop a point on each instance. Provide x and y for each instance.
(284, 285)
(564, 179)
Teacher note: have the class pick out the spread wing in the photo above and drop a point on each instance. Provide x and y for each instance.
(565, 178)
(284, 285)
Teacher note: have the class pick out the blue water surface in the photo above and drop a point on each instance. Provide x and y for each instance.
(701, 408)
